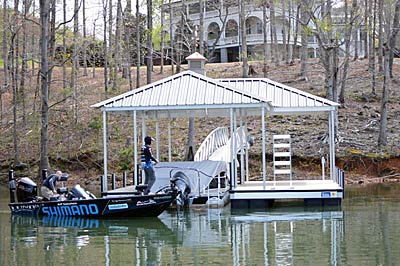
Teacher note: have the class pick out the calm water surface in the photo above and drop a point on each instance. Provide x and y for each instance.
(365, 231)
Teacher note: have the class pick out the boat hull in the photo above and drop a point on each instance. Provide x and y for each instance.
(121, 206)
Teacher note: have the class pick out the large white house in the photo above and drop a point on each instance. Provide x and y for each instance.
(222, 27)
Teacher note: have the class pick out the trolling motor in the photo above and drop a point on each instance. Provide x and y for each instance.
(182, 184)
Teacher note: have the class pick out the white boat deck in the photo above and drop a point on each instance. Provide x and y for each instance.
(281, 190)
(288, 185)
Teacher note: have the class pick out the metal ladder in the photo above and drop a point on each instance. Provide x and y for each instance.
(282, 156)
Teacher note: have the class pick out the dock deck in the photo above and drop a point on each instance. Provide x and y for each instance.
(260, 194)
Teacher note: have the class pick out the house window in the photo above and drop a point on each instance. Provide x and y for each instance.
(212, 5)
(253, 25)
(231, 28)
(213, 31)
(194, 8)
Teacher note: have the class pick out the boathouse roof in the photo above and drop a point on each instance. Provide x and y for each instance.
(189, 94)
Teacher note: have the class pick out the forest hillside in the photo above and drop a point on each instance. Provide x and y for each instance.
(75, 128)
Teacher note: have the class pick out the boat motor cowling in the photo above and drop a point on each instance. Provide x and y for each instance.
(77, 192)
(182, 184)
(26, 190)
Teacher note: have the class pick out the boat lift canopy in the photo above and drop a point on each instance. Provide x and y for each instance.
(189, 94)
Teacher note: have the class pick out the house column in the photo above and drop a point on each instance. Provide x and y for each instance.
(224, 55)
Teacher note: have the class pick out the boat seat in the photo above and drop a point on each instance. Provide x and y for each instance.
(141, 188)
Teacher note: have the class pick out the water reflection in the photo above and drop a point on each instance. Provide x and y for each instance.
(77, 231)
(178, 238)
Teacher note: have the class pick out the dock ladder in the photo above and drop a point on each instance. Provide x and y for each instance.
(282, 156)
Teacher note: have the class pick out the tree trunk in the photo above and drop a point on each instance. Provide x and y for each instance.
(64, 37)
(138, 54)
(201, 28)
(371, 41)
(45, 84)
(365, 33)
(105, 50)
(382, 139)
(284, 44)
(24, 60)
(126, 71)
(84, 50)
(245, 65)
(265, 39)
(117, 43)
(380, 36)
(171, 37)
(356, 33)
(14, 80)
(75, 55)
(149, 60)
(162, 38)
(304, 43)
(349, 26)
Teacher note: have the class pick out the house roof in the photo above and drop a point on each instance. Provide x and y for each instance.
(187, 94)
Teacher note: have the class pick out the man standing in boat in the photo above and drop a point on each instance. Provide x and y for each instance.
(148, 162)
(48, 188)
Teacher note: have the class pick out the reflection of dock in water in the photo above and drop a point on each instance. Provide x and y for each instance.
(274, 233)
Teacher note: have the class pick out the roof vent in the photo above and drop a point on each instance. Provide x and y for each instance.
(197, 63)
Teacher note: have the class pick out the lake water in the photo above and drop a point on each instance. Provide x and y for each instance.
(365, 231)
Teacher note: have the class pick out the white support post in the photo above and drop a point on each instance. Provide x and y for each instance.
(144, 133)
(144, 129)
(135, 149)
(242, 173)
(157, 139)
(104, 178)
(233, 172)
(169, 139)
(332, 144)
(264, 163)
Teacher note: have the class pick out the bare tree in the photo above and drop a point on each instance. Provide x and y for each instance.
(105, 49)
(243, 37)
(267, 52)
(84, 48)
(138, 54)
(349, 22)
(5, 58)
(304, 19)
(14, 67)
(365, 30)
(371, 41)
(274, 37)
(64, 37)
(149, 61)
(388, 52)
(356, 33)
(162, 38)
(45, 83)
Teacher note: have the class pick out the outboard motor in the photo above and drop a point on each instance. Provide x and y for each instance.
(26, 190)
(77, 192)
(182, 184)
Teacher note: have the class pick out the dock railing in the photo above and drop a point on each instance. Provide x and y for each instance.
(339, 177)
(220, 137)
(215, 140)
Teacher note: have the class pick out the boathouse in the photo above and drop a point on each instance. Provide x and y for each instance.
(191, 94)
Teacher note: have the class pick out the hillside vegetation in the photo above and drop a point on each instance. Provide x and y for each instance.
(75, 130)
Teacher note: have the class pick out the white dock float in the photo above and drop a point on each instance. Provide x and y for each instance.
(259, 194)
